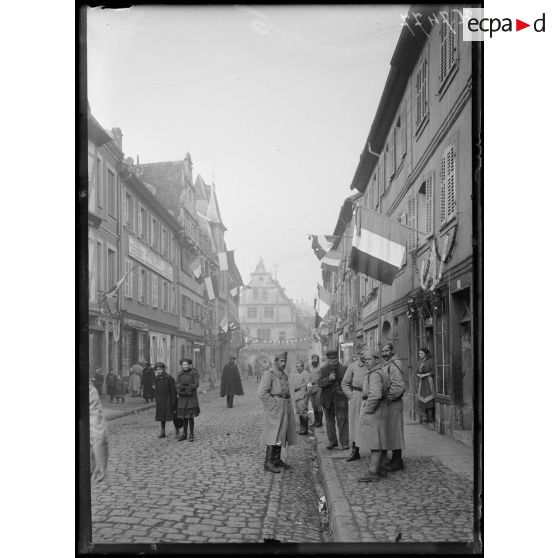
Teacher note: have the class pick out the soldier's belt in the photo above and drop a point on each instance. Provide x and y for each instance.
(356, 388)
(364, 397)
(288, 396)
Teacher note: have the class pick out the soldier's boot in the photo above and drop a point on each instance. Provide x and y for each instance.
(355, 454)
(396, 461)
(278, 462)
(269, 465)
(303, 431)
(318, 419)
(374, 473)
(162, 433)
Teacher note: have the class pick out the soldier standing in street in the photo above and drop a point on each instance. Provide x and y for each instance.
(393, 367)
(279, 427)
(352, 388)
(165, 396)
(334, 402)
(299, 381)
(314, 391)
(187, 383)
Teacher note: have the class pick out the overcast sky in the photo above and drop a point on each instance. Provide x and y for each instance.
(277, 102)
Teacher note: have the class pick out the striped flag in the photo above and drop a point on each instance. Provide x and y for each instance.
(321, 244)
(196, 268)
(224, 324)
(212, 286)
(332, 259)
(226, 260)
(323, 302)
(379, 244)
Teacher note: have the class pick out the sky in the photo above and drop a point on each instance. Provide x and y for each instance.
(273, 103)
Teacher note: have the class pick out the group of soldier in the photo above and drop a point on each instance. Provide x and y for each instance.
(362, 405)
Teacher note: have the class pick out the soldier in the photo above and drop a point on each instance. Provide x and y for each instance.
(299, 381)
(279, 427)
(334, 402)
(352, 388)
(314, 391)
(165, 396)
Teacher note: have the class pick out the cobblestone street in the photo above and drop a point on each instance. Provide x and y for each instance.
(212, 490)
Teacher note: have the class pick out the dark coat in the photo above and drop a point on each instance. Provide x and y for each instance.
(111, 383)
(230, 381)
(425, 394)
(187, 383)
(147, 382)
(165, 397)
(330, 387)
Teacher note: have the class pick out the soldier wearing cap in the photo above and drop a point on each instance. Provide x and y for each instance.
(314, 391)
(334, 401)
(165, 396)
(279, 427)
(352, 388)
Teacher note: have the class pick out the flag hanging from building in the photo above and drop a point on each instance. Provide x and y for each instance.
(224, 324)
(323, 302)
(332, 259)
(212, 286)
(379, 244)
(119, 284)
(196, 268)
(321, 244)
(226, 260)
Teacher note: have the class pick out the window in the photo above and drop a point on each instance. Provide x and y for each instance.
(425, 208)
(183, 300)
(448, 44)
(412, 213)
(154, 233)
(141, 348)
(165, 296)
(182, 351)
(255, 294)
(111, 268)
(390, 154)
(142, 287)
(442, 351)
(421, 93)
(264, 294)
(252, 312)
(172, 249)
(126, 350)
(154, 354)
(129, 211)
(447, 186)
(111, 192)
(264, 334)
(282, 337)
(164, 247)
(129, 281)
(400, 137)
(142, 223)
(100, 181)
(99, 270)
(155, 289)
(269, 312)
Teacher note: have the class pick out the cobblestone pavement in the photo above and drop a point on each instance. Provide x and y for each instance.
(211, 490)
(427, 502)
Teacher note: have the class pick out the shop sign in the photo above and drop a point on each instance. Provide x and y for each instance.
(136, 324)
(146, 256)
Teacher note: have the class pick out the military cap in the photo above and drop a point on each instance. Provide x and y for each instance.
(188, 360)
(282, 354)
(159, 365)
(332, 354)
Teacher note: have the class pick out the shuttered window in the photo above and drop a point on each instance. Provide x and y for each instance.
(390, 152)
(429, 217)
(447, 186)
(381, 180)
(421, 93)
(129, 281)
(155, 289)
(412, 213)
(448, 43)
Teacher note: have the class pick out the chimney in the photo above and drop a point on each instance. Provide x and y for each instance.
(116, 134)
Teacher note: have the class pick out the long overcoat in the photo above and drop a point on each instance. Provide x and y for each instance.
(230, 380)
(396, 390)
(425, 396)
(279, 420)
(147, 381)
(111, 383)
(187, 383)
(351, 384)
(165, 397)
(330, 387)
(373, 421)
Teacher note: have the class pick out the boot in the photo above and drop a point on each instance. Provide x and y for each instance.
(184, 435)
(332, 445)
(355, 454)
(318, 419)
(191, 437)
(396, 462)
(162, 433)
(303, 426)
(269, 465)
(277, 461)
(374, 473)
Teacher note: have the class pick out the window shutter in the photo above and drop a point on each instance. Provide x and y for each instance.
(125, 209)
(135, 214)
(443, 49)
(451, 33)
(424, 92)
(381, 181)
(412, 212)
(390, 154)
(429, 206)
(418, 88)
(450, 182)
(403, 131)
(443, 190)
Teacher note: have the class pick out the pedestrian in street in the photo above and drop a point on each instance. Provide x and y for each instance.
(314, 391)
(148, 382)
(351, 384)
(395, 436)
(299, 381)
(334, 401)
(187, 383)
(111, 384)
(373, 420)
(279, 428)
(98, 381)
(98, 437)
(231, 383)
(119, 388)
(135, 379)
(425, 392)
(165, 396)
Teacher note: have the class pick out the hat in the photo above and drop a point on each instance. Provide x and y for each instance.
(159, 365)
(188, 360)
(314, 355)
(283, 355)
(332, 354)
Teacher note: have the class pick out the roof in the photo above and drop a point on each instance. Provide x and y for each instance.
(408, 49)
(168, 178)
(213, 213)
(95, 131)
(345, 217)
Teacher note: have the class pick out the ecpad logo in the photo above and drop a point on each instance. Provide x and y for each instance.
(475, 25)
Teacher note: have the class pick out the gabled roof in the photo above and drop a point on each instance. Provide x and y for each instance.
(213, 213)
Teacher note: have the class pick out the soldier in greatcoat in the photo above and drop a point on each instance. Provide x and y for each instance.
(299, 381)
(314, 391)
(187, 383)
(279, 427)
(165, 396)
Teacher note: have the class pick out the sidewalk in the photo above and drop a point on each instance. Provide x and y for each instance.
(431, 500)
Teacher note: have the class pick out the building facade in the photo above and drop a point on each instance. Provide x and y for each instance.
(417, 167)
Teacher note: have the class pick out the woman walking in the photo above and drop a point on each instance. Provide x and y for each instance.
(165, 396)
(425, 394)
(187, 383)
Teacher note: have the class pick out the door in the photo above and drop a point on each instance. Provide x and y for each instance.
(467, 374)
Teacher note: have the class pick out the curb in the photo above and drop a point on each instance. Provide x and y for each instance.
(131, 412)
(342, 521)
